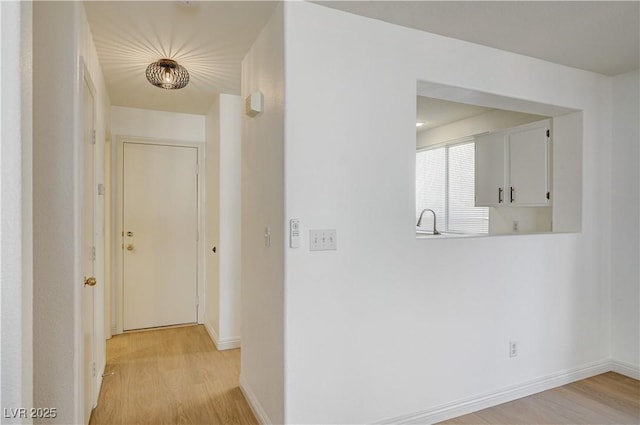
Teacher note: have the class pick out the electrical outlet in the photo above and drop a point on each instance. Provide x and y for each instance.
(513, 348)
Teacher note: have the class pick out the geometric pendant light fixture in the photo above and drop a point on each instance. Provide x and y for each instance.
(167, 74)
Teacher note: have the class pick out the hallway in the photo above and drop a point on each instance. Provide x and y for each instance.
(170, 376)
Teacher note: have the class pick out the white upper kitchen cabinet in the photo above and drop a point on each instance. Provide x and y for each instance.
(528, 149)
(490, 166)
(512, 166)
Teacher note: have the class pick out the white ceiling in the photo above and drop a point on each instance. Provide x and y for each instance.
(436, 112)
(210, 38)
(598, 36)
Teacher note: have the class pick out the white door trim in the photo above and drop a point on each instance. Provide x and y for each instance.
(118, 193)
(84, 79)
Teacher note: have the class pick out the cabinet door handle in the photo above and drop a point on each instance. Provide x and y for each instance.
(500, 190)
(513, 198)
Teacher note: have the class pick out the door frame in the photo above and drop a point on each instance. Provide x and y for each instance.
(117, 236)
(96, 381)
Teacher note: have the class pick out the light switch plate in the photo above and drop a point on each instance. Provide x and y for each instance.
(322, 240)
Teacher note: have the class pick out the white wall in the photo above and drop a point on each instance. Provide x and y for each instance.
(230, 219)
(16, 231)
(625, 226)
(567, 169)
(55, 210)
(212, 214)
(57, 275)
(223, 128)
(158, 125)
(262, 378)
(57, 205)
(386, 316)
(530, 220)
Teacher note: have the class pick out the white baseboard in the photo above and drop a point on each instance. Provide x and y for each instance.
(221, 343)
(99, 384)
(626, 369)
(483, 401)
(255, 405)
(228, 344)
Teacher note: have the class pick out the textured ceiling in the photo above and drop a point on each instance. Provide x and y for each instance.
(598, 36)
(208, 38)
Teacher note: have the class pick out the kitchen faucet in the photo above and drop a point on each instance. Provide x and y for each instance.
(435, 231)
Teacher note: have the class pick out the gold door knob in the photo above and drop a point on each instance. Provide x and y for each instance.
(129, 247)
(90, 281)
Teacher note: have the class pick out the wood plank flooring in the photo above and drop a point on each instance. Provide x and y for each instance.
(170, 376)
(609, 399)
(176, 376)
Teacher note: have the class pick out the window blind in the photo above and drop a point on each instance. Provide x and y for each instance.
(463, 215)
(431, 185)
(445, 182)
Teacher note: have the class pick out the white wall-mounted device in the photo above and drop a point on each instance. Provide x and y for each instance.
(253, 104)
(294, 233)
(267, 236)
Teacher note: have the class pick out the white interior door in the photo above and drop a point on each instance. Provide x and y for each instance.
(160, 232)
(88, 254)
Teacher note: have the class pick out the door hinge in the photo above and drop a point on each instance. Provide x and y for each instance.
(197, 301)
(93, 253)
(548, 195)
(93, 137)
(548, 133)
(197, 168)
(93, 369)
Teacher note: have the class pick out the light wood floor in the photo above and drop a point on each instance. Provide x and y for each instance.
(170, 376)
(608, 399)
(176, 376)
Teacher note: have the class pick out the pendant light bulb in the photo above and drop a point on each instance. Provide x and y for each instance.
(168, 76)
